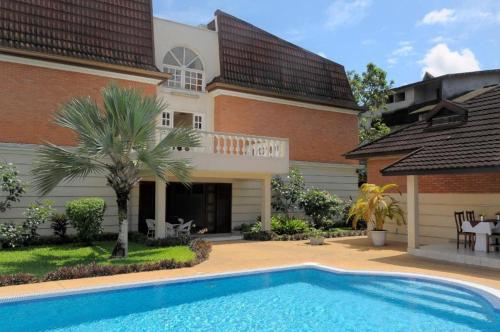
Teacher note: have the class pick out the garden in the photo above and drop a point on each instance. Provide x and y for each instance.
(301, 213)
(26, 256)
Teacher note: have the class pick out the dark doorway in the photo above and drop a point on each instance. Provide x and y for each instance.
(146, 204)
(208, 204)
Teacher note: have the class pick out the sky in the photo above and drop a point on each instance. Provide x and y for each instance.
(404, 37)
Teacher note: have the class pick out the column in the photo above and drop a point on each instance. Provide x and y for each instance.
(265, 211)
(412, 211)
(160, 207)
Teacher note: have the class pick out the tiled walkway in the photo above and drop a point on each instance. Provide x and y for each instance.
(347, 253)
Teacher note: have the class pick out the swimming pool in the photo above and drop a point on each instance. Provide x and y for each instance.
(305, 298)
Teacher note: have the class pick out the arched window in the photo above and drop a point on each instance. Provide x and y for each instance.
(186, 69)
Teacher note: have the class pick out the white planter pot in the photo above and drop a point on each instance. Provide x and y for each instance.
(378, 238)
(316, 241)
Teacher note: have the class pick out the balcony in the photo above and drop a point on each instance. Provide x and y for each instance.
(230, 152)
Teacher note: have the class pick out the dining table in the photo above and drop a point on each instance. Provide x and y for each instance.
(482, 229)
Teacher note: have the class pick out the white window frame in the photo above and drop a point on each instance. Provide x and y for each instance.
(184, 69)
(201, 121)
(167, 119)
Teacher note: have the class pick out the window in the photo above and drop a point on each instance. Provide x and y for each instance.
(401, 96)
(186, 69)
(198, 122)
(166, 119)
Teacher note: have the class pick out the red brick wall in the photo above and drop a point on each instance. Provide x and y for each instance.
(313, 135)
(30, 95)
(442, 183)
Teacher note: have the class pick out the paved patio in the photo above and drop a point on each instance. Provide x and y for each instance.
(354, 253)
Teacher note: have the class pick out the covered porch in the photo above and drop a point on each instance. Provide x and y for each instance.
(453, 250)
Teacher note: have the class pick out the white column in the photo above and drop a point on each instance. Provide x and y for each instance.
(412, 209)
(265, 211)
(160, 207)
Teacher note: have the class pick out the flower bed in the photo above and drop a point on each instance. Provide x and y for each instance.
(268, 236)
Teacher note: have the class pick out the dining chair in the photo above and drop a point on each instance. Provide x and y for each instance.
(459, 219)
(150, 223)
(185, 228)
(171, 230)
(471, 217)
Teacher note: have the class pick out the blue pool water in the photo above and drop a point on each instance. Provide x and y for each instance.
(303, 299)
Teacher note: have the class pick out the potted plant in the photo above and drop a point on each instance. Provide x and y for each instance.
(374, 205)
(316, 237)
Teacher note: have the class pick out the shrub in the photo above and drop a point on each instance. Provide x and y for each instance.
(283, 225)
(11, 235)
(17, 279)
(286, 194)
(86, 216)
(258, 236)
(10, 185)
(37, 213)
(59, 224)
(322, 207)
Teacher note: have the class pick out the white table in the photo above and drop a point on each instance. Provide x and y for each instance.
(482, 230)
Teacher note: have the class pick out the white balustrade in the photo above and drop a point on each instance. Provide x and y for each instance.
(236, 145)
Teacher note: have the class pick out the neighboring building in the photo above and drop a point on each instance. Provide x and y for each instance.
(449, 161)
(261, 105)
(410, 102)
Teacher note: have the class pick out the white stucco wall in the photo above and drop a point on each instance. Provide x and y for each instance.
(205, 44)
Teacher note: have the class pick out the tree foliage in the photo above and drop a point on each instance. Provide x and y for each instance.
(117, 140)
(371, 90)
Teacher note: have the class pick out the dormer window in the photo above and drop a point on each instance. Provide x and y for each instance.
(186, 69)
(445, 115)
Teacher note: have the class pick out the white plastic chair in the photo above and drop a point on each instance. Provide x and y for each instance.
(185, 228)
(170, 229)
(151, 228)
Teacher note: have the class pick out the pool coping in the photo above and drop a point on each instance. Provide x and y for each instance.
(490, 294)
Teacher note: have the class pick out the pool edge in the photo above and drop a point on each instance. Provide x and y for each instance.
(491, 295)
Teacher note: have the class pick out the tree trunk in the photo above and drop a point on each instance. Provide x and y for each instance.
(121, 247)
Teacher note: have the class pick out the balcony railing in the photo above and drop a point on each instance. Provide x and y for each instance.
(228, 144)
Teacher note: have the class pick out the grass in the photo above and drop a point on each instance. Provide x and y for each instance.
(42, 259)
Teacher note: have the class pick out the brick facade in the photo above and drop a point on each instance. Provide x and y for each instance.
(30, 95)
(314, 135)
(442, 183)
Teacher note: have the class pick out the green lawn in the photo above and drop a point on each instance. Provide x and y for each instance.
(42, 259)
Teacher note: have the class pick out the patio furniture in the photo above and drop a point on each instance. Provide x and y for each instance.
(171, 229)
(484, 231)
(150, 223)
(468, 236)
(185, 228)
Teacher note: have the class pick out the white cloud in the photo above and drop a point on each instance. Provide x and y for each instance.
(440, 60)
(368, 42)
(405, 48)
(323, 54)
(441, 16)
(344, 12)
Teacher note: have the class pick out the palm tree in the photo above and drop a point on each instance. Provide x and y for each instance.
(117, 140)
(375, 205)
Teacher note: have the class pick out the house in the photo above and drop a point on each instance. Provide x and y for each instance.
(260, 104)
(410, 102)
(448, 161)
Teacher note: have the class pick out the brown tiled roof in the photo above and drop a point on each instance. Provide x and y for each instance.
(473, 145)
(117, 32)
(258, 61)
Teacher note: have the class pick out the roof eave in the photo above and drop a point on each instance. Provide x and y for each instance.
(160, 76)
(461, 170)
(233, 87)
